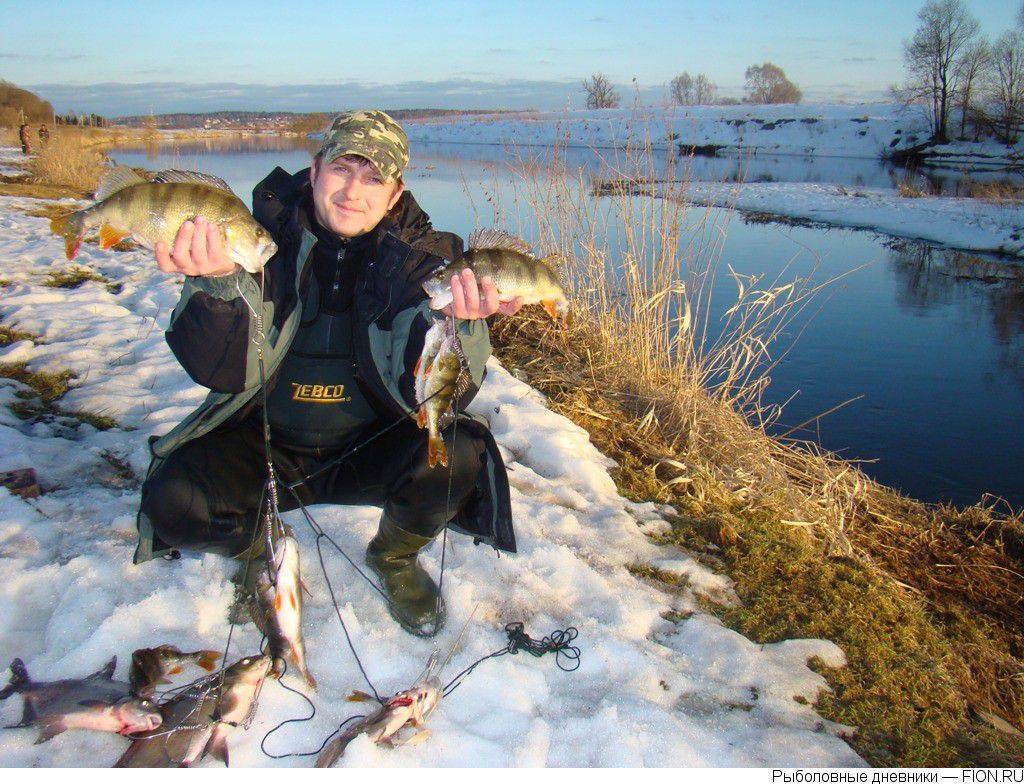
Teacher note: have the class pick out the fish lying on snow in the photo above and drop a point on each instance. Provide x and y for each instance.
(96, 702)
(276, 607)
(151, 666)
(127, 205)
(406, 708)
(440, 379)
(198, 720)
(516, 272)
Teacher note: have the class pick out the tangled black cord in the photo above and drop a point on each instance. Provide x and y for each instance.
(559, 642)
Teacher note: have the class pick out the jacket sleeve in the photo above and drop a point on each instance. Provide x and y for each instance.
(408, 333)
(212, 329)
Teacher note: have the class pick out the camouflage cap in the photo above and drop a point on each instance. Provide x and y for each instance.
(373, 135)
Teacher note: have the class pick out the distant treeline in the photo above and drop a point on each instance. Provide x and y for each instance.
(300, 122)
(19, 106)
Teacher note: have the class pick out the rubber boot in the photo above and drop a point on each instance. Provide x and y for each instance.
(414, 599)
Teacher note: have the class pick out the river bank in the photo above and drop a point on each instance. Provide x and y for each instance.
(961, 223)
(835, 130)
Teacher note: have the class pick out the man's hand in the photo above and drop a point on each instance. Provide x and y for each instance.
(467, 302)
(198, 250)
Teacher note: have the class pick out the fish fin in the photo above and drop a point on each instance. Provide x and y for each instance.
(498, 240)
(106, 672)
(418, 738)
(421, 417)
(301, 664)
(50, 729)
(438, 301)
(109, 236)
(168, 647)
(208, 660)
(419, 365)
(360, 696)
(19, 679)
(28, 715)
(92, 703)
(278, 601)
(165, 680)
(217, 747)
(115, 179)
(70, 228)
(437, 453)
(176, 671)
(551, 308)
(197, 178)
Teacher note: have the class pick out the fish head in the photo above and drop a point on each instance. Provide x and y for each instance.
(250, 670)
(138, 715)
(425, 696)
(249, 244)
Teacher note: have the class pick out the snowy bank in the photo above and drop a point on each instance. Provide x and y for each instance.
(846, 131)
(966, 224)
(656, 692)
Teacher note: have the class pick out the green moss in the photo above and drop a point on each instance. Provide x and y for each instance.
(9, 335)
(49, 386)
(72, 278)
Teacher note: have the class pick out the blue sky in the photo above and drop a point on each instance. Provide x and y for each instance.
(115, 57)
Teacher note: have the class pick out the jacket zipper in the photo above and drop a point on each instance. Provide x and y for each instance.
(335, 288)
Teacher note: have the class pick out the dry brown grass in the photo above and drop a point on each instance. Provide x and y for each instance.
(68, 160)
(997, 192)
(925, 600)
(910, 190)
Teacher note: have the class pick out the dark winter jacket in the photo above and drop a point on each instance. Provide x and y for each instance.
(215, 326)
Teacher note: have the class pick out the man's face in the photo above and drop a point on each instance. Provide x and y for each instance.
(349, 195)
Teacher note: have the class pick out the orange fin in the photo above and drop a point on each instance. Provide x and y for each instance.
(419, 364)
(421, 417)
(278, 601)
(437, 453)
(360, 696)
(208, 660)
(175, 670)
(64, 226)
(549, 306)
(109, 236)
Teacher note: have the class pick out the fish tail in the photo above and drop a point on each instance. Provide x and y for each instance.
(19, 680)
(300, 661)
(71, 228)
(208, 660)
(437, 453)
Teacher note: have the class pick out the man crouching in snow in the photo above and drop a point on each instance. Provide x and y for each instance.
(344, 316)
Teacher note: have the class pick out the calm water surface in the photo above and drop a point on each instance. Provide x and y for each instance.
(932, 341)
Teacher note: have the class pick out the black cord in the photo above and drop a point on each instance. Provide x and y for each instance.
(559, 642)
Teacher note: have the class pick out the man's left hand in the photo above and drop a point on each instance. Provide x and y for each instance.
(470, 301)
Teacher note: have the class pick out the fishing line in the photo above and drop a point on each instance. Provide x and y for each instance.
(559, 642)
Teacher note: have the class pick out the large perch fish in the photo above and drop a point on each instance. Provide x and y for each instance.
(197, 721)
(96, 702)
(440, 379)
(277, 607)
(150, 212)
(516, 272)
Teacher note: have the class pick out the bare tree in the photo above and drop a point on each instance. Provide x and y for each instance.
(767, 83)
(1007, 96)
(704, 90)
(972, 68)
(600, 93)
(681, 89)
(934, 57)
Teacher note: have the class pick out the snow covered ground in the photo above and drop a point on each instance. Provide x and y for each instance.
(655, 692)
(967, 224)
(846, 131)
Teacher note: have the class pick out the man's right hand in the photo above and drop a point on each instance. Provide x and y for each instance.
(198, 250)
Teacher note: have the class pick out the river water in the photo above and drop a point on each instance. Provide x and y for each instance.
(930, 342)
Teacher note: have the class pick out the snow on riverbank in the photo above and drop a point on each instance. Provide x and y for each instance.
(846, 131)
(655, 692)
(967, 224)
